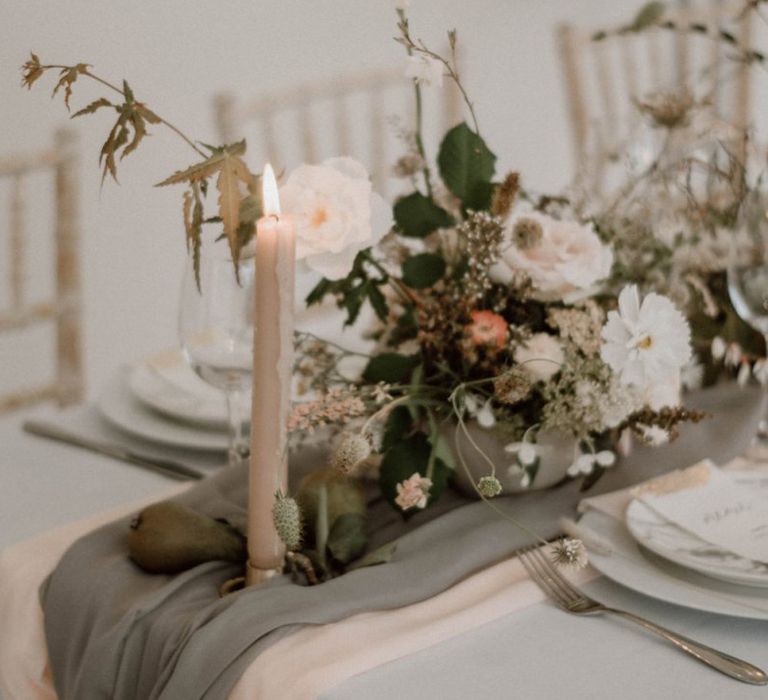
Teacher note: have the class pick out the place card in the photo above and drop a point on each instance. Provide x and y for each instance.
(721, 510)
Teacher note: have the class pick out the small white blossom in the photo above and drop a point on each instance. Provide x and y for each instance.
(605, 458)
(525, 481)
(527, 454)
(718, 348)
(485, 417)
(742, 379)
(692, 376)
(583, 464)
(424, 70)
(653, 435)
(733, 355)
(761, 371)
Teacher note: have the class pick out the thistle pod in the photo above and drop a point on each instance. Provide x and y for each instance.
(489, 486)
(286, 517)
(353, 449)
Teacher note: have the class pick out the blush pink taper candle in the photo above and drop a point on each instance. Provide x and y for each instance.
(272, 370)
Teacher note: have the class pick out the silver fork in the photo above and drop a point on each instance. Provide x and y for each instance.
(572, 600)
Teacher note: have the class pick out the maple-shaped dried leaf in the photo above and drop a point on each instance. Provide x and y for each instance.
(139, 132)
(193, 225)
(205, 168)
(67, 76)
(118, 137)
(95, 105)
(233, 171)
(31, 71)
(147, 113)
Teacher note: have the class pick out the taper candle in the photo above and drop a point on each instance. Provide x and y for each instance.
(272, 369)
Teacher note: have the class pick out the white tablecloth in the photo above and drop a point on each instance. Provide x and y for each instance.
(536, 652)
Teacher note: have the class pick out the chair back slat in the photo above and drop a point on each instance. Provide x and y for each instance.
(68, 340)
(64, 309)
(16, 241)
(608, 122)
(632, 65)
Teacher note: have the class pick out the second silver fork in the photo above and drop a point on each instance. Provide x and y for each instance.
(572, 600)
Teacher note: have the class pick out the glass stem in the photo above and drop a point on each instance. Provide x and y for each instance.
(237, 447)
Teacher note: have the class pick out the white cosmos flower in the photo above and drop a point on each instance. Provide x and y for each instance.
(646, 344)
(565, 263)
(424, 70)
(336, 213)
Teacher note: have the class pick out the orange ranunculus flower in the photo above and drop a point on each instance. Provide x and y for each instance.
(488, 328)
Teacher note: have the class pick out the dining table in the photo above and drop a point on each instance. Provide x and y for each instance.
(511, 642)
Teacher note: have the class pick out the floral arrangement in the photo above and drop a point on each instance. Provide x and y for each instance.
(687, 200)
(496, 311)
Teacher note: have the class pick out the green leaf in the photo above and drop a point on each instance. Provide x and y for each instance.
(443, 451)
(417, 215)
(403, 460)
(398, 425)
(347, 539)
(390, 367)
(648, 15)
(467, 166)
(423, 270)
(319, 291)
(378, 301)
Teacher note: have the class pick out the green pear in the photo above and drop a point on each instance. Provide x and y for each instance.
(345, 495)
(167, 537)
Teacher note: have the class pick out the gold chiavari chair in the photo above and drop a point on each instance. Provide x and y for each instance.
(344, 116)
(64, 309)
(603, 74)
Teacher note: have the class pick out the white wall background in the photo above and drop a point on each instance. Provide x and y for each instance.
(177, 54)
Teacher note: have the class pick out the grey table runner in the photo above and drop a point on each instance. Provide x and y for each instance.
(115, 632)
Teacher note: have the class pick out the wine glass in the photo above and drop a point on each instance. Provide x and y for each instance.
(216, 333)
(748, 291)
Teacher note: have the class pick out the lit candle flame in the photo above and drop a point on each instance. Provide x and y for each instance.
(270, 198)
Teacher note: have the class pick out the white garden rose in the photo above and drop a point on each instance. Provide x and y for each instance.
(564, 259)
(336, 213)
(541, 356)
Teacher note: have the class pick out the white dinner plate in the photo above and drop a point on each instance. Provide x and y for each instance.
(635, 567)
(121, 408)
(166, 383)
(672, 542)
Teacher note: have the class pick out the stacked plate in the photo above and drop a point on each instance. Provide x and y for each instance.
(657, 557)
(162, 400)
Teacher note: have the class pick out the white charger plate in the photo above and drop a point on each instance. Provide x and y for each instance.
(672, 542)
(639, 569)
(119, 406)
(166, 383)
